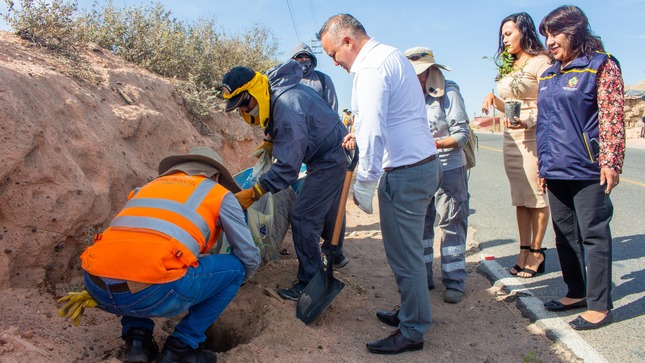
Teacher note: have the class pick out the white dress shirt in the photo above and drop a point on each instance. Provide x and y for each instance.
(390, 114)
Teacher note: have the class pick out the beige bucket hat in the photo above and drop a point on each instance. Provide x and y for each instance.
(204, 156)
(422, 58)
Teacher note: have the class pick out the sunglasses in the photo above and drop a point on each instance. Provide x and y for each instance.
(416, 56)
(246, 99)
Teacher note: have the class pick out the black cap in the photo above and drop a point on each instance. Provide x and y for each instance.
(234, 79)
(236, 102)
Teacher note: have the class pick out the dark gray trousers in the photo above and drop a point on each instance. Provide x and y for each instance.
(404, 195)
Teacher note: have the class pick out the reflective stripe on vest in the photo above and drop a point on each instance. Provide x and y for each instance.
(187, 210)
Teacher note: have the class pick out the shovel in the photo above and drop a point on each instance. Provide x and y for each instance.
(324, 287)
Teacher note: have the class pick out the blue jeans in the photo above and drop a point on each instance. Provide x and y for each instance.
(205, 291)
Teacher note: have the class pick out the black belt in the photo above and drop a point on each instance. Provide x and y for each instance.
(421, 162)
(118, 287)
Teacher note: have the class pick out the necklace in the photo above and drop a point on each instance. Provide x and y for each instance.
(521, 61)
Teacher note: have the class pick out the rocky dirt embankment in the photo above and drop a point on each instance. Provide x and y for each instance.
(75, 138)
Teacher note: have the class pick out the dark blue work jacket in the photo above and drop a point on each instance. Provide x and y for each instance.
(567, 122)
(304, 129)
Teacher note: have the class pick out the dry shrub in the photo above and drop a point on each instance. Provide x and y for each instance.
(195, 56)
(48, 24)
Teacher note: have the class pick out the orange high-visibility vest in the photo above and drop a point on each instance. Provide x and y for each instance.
(160, 232)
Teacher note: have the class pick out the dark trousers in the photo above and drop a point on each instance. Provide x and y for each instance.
(317, 206)
(581, 212)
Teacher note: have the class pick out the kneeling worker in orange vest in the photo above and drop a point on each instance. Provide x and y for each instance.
(147, 263)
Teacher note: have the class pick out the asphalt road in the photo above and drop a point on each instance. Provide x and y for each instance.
(493, 217)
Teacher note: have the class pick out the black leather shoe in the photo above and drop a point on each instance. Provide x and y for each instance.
(139, 346)
(555, 305)
(390, 318)
(580, 323)
(175, 351)
(394, 344)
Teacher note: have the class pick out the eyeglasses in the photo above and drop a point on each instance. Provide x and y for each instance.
(246, 99)
(416, 56)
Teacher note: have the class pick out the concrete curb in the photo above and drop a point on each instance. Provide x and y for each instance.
(556, 329)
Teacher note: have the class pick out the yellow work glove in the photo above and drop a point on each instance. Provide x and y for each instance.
(266, 147)
(246, 197)
(76, 304)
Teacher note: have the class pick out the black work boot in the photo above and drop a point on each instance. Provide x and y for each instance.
(175, 351)
(139, 346)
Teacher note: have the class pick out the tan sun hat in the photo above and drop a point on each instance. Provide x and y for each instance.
(201, 155)
(422, 58)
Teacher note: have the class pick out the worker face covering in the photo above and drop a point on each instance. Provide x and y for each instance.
(254, 112)
(306, 66)
(436, 82)
(258, 87)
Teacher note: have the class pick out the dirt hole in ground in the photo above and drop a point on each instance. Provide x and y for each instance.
(240, 323)
(221, 338)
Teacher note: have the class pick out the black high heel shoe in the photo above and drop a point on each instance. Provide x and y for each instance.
(540, 268)
(518, 268)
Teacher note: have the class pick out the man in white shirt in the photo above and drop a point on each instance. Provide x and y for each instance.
(396, 147)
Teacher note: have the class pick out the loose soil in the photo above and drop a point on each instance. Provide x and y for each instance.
(259, 326)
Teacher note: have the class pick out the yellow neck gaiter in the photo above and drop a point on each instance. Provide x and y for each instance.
(258, 87)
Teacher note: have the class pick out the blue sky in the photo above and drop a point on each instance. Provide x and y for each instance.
(459, 32)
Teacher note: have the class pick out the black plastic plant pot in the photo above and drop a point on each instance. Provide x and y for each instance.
(512, 110)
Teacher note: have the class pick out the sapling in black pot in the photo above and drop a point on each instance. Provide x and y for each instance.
(504, 63)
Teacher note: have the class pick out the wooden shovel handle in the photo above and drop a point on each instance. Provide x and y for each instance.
(352, 160)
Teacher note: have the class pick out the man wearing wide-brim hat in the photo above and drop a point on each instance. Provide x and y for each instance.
(448, 122)
(149, 263)
(302, 128)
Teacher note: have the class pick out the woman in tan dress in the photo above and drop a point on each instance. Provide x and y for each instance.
(518, 80)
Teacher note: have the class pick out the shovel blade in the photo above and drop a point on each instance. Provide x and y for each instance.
(317, 296)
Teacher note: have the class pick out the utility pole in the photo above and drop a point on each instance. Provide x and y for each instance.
(315, 46)
(500, 126)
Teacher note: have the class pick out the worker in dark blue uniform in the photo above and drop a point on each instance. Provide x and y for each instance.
(299, 127)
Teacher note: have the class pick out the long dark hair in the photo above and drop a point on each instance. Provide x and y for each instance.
(573, 23)
(530, 42)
